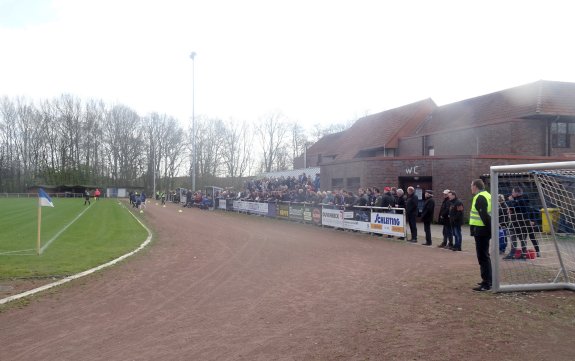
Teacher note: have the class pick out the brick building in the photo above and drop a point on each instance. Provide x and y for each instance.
(431, 147)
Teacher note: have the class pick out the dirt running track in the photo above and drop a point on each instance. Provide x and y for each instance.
(219, 286)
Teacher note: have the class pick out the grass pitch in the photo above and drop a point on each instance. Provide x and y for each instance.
(73, 241)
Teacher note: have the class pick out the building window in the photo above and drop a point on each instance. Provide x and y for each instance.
(560, 135)
(337, 183)
(353, 183)
(430, 151)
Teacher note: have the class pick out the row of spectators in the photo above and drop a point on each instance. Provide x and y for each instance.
(304, 189)
(282, 183)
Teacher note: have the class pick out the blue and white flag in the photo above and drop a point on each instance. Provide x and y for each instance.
(45, 200)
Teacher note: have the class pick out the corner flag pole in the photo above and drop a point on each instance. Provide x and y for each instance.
(43, 201)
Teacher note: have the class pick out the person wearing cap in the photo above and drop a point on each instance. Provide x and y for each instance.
(427, 215)
(387, 199)
(444, 220)
(456, 219)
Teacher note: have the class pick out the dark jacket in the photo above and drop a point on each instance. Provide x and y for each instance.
(411, 205)
(456, 212)
(362, 201)
(444, 211)
(521, 211)
(428, 209)
(387, 200)
(400, 202)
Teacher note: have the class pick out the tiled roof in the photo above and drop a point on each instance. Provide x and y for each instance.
(540, 99)
(530, 100)
(327, 145)
(556, 98)
(376, 131)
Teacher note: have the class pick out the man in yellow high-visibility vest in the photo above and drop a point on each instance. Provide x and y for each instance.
(480, 225)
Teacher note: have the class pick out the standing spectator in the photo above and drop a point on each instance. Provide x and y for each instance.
(370, 197)
(456, 219)
(378, 199)
(444, 220)
(411, 212)
(427, 215)
(316, 182)
(400, 199)
(480, 227)
(400, 203)
(328, 198)
(522, 218)
(340, 198)
(362, 199)
(189, 198)
(387, 199)
(86, 196)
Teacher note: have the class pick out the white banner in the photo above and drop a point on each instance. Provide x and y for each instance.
(335, 217)
(388, 223)
(332, 217)
(222, 204)
(251, 207)
(357, 225)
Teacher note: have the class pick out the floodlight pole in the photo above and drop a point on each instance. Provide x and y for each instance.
(154, 166)
(192, 56)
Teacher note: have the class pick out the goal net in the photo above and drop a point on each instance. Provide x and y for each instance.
(533, 247)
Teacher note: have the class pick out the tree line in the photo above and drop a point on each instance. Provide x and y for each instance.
(68, 141)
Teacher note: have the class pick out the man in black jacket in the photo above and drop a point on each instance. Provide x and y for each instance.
(411, 212)
(444, 220)
(455, 219)
(427, 215)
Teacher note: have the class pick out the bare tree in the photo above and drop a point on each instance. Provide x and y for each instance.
(123, 138)
(318, 131)
(209, 135)
(298, 140)
(272, 131)
(166, 146)
(236, 154)
(91, 142)
(173, 151)
(8, 150)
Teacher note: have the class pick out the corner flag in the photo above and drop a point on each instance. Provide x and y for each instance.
(45, 200)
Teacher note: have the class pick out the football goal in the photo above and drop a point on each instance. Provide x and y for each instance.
(533, 247)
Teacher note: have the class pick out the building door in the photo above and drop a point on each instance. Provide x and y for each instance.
(421, 184)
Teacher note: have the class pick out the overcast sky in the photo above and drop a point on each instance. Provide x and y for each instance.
(314, 61)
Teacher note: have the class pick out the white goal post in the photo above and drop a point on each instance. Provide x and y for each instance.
(533, 226)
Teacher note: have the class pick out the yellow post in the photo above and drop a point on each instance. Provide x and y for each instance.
(39, 227)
